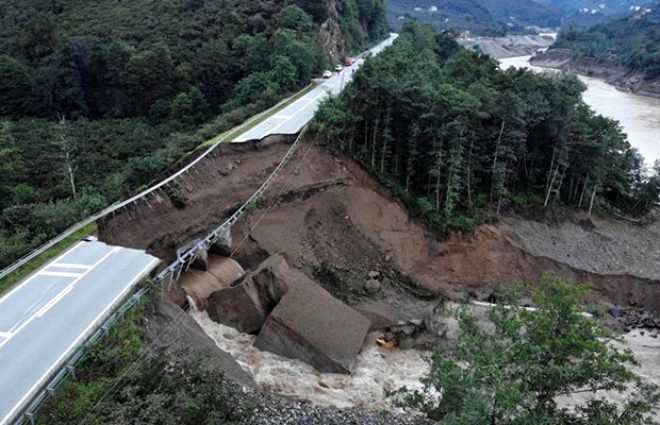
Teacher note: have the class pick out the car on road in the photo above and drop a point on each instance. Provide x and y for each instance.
(338, 68)
(327, 74)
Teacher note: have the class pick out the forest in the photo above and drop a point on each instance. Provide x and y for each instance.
(454, 136)
(481, 17)
(632, 42)
(99, 97)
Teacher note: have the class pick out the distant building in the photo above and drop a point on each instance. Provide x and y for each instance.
(418, 9)
(433, 9)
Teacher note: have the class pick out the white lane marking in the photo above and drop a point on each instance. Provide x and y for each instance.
(29, 279)
(6, 334)
(60, 274)
(75, 343)
(58, 297)
(70, 266)
(43, 310)
(297, 112)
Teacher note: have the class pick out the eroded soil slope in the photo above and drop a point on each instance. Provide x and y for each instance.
(333, 221)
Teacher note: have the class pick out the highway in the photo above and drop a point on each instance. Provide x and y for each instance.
(45, 318)
(294, 117)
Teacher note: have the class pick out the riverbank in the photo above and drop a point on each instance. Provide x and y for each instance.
(614, 74)
(506, 47)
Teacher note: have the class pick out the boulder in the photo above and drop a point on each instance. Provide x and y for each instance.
(311, 325)
(201, 261)
(380, 315)
(372, 286)
(246, 304)
(224, 269)
(373, 274)
(198, 285)
(223, 245)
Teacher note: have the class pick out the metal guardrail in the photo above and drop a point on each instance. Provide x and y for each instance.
(68, 369)
(142, 195)
(173, 271)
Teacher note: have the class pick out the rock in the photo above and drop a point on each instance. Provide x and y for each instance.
(372, 286)
(373, 274)
(223, 245)
(648, 323)
(198, 285)
(380, 315)
(226, 270)
(201, 261)
(311, 325)
(247, 303)
(616, 312)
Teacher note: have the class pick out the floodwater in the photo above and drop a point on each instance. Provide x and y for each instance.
(377, 370)
(639, 115)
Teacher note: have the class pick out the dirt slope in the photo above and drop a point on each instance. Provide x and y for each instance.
(335, 222)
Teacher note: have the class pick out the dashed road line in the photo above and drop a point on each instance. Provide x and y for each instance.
(71, 266)
(60, 274)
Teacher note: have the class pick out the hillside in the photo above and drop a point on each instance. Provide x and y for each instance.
(625, 51)
(99, 97)
(590, 12)
(478, 16)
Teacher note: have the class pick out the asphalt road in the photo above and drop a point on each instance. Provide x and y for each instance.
(293, 118)
(43, 320)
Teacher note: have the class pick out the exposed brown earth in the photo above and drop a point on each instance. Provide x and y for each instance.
(335, 223)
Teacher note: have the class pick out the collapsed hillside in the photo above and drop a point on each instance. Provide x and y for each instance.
(330, 213)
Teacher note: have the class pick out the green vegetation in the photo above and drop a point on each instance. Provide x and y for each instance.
(482, 17)
(52, 252)
(516, 373)
(632, 42)
(452, 135)
(120, 381)
(98, 98)
(590, 12)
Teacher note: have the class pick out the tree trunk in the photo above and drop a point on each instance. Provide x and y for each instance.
(497, 150)
(593, 196)
(584, 188)
(561, 180)
(469, 172)
(549, 189)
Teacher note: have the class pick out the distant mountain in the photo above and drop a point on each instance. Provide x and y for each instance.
(590, 12)
(523, 12)
(631, 43)
(484, 17)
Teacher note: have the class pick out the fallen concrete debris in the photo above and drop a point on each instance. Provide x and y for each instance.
(311, 325)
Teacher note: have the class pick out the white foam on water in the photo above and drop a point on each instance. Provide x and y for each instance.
(377, 370)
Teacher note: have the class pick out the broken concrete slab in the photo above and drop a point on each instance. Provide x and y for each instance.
(224, 269)
(246, 304)
(311, 325)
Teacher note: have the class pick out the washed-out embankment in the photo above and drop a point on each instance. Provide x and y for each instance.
(623, 78)
(326, 203)
(332, 257)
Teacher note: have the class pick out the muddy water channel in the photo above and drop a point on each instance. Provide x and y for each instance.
(377, 370)
(639, 115)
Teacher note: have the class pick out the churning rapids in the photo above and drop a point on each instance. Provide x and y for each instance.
(639, 115)
(376, 370)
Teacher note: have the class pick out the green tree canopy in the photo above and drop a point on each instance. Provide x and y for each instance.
(515, 372)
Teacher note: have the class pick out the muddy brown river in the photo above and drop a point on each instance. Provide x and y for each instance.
(639, 115)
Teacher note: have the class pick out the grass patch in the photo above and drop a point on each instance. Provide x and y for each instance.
(124, 379)
(254, 121)
(54, 251)
(45, 257)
